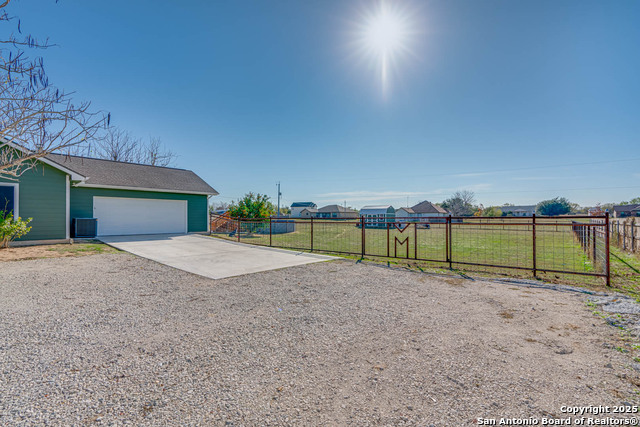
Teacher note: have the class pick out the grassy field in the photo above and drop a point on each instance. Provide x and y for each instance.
(557, 248)
(625, 272)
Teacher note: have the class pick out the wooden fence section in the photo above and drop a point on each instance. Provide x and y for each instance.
(625, 234)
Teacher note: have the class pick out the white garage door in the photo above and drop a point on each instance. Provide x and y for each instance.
(122, 216)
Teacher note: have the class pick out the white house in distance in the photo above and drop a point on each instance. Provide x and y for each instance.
(378, 216)
(421, 212)
(527, 210)
(309, 213)
(298, 207)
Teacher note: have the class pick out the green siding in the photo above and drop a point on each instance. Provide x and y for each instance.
(82, 203)
(42, 196)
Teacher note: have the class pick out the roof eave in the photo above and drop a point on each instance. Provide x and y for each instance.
(155, 190)
(75, 176)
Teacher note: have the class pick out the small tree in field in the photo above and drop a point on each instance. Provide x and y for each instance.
(11, 229)
(252, 206)
(492, 211)
(634, 201)
(554, 207)
(461, 203)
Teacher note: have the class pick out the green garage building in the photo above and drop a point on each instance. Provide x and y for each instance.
(125, 198)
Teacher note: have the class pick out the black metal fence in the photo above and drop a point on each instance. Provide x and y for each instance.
(568, 245)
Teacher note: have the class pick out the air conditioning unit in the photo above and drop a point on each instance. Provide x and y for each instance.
(85, 227)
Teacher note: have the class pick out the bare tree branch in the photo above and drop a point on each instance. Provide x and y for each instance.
(154, 153)
(118, 145)
(34, 114)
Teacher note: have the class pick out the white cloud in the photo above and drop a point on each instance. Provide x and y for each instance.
(364, 197)
(470, 174)
(536, 178)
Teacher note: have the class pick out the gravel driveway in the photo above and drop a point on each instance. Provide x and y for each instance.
(115, 339)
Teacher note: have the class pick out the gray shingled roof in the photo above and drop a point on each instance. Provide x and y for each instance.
(118, 174)
(407, 210)
(626, 208)
(427, 207)
(335, 208)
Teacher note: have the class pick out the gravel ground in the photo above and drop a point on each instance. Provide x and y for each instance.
(114, 339)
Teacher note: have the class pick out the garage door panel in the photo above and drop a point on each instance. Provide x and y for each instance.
(126, 216)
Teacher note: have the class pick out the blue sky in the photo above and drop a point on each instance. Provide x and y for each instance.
(515, 100)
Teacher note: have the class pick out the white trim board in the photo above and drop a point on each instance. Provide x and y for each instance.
(75, 176)
(68, 206)
(16, 197)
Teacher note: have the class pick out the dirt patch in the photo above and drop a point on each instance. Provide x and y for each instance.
(54, 251)
(506, 314)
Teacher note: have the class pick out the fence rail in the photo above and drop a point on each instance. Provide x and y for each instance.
(576, 245)
(625, 234)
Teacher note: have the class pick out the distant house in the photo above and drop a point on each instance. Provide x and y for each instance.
(378, 216)
(309, 213)
(336, 211)
(427, 209)
(595, 211)
(405, 215)
(623, 211)
(527, 210)
(422, 212)
(298, 207)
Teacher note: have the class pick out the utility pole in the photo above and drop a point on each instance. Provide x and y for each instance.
(279, 194)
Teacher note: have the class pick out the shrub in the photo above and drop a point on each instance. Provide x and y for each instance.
(554, 207)
(12, 228)
(252, 206)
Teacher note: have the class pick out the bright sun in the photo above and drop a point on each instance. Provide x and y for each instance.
(385, 32)
(384, 37)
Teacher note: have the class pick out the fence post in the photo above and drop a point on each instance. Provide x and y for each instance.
(388, 240)
(594, 231)
(311, 234)
(618, 225)
(238, 229)
(633, 235)
(606, 249)
(363, 238)
(270, 230)
(415, 240)
(533, 235)
(449, 242)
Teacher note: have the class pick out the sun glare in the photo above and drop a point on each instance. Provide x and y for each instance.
(384, 38)
(385, 32)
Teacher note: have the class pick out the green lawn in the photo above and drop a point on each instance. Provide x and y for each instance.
(625, 272)
(508, 246)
